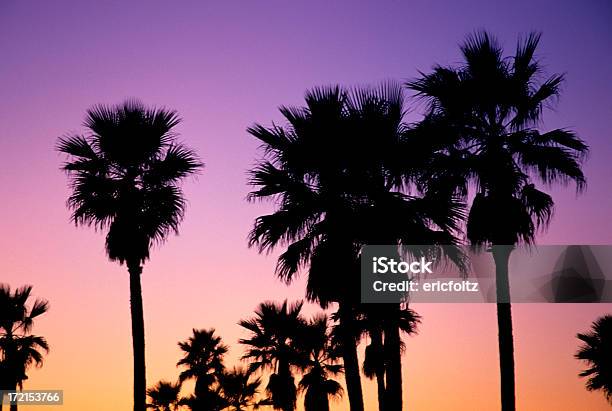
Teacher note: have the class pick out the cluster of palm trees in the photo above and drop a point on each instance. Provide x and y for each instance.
(346, 170)
(19, 348)
(215, 389)
(282, 342)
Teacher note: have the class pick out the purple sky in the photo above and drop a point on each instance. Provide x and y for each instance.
(224, 65)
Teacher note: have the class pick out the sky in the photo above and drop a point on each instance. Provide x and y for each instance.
(224, 66)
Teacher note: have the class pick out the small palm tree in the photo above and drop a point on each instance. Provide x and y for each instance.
(125, 176)
(482, 122)
(596, 351)
(372, 323)
(374, 359)
(164, 396)
(271, 346)
(321, 363)
(19, 350)
(239, 390)
(203, 361)
(20, 354)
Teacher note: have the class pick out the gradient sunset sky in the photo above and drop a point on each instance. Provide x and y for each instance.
(225, 65)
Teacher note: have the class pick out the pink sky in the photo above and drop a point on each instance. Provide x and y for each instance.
(223, 66)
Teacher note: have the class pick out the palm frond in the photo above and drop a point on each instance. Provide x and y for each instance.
(553, 164)
(595, 352)
(77, 146)
(178, 162)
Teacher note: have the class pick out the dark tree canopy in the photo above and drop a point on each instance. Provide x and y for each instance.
(482, 124)
(125, 174)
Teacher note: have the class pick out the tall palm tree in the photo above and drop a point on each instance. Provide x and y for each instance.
(338, 174)
(203, 361)
(596, 351)
(125, 175)
(298, 171)
(164, 396)
(19, 350)
(320, 364)
(239, 390)
(271, 346)
(482, 122)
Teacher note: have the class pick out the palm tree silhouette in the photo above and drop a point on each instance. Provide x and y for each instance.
(338, 172)
(372, 323)
(164, 396)
(271, 346)
(19, 350)
(203, 361)
(301, 172)
(374, 360)
(239, 390)
(482, 123)
(596, 351)
(321, 362)
(125, 177)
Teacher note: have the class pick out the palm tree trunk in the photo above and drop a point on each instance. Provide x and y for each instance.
(393, 362)
(324, 403)
(316, 399)
(377, 341)
(284, 372)
(380, 386)
(200, 389)
(501, 256)
(13, 406)
(349, 356)
(138, 340)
